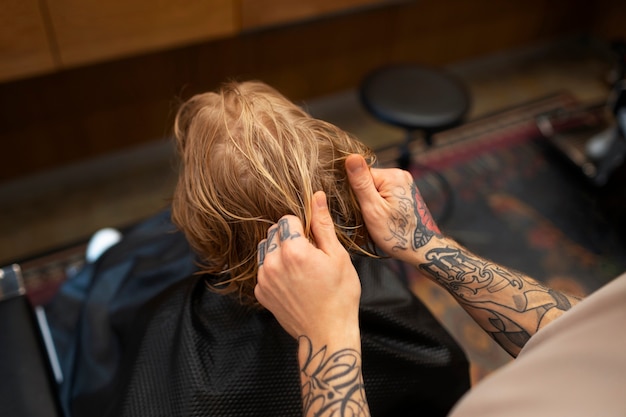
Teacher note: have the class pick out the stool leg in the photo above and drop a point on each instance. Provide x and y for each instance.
(428, 138)
(404, 158)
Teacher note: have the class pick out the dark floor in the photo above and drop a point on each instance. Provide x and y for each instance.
(68, 205)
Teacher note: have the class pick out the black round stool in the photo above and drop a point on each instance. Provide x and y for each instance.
(415, 98)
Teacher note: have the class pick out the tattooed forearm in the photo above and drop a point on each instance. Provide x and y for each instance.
(508, 305)
(332, 382)
(466, 276)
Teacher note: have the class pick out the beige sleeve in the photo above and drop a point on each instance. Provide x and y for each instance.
(575, 366)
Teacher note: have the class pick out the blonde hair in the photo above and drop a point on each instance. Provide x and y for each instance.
(249, 156)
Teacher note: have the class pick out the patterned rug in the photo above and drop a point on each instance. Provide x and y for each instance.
(495, 187)
(500, 189)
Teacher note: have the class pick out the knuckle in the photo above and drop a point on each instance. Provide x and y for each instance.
(259, 294)
(274, 266)
(293, 253)
(270, 264)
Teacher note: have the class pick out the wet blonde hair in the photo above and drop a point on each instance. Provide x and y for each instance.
(248, 157)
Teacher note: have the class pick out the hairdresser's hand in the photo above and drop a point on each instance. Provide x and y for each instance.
(394, 211)
(312, 291)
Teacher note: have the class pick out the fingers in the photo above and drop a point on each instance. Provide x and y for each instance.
(322, 225)
(287, 228)
(261, 252)
(312, 290)
(361, 180)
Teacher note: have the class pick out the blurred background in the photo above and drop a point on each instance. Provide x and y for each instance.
(88, 89)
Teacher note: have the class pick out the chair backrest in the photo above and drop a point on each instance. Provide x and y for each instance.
(29, 387)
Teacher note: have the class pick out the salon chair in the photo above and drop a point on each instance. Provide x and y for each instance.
(149, 338)
(415, 98)
(29, 385)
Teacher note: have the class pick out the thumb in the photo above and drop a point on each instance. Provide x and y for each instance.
(361, 180)
(322, 224)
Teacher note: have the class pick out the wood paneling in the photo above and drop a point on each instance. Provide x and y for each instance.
(262, 13)
(430, 33)
(609, 19)
(86, 111)
(24, 49)
(89, 31)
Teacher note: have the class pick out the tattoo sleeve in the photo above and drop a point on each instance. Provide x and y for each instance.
(510, 306)
(332, 382)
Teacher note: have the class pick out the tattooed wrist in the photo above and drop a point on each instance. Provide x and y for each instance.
(332, 381)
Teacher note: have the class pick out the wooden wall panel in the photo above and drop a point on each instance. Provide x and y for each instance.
(432, 34)
(83, 112)
(24, 48)
(263, 13)
(89, 31)
(609, 19)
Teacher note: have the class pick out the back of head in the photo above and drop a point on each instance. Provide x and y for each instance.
(248, 157)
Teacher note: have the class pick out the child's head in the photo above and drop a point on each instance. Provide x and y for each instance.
(250, 156)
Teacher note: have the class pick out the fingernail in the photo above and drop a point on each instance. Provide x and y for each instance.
(355, 167)
(320, 199)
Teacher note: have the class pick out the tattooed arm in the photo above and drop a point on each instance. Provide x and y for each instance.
(314, 293)
(510, 306)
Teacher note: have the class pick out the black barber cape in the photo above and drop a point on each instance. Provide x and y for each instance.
(138, 334)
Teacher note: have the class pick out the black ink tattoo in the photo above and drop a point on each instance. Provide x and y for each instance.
(424, 229)
(508, 305)
(280, 231)
(284, 232)
(261, 250)
(271, 244)
(562, 303)
(411, 208)
(399, 221)
(466, 276)
(333, 385)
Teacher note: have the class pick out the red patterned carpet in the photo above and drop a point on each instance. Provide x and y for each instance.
(511, 199)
